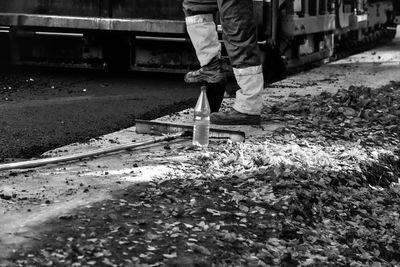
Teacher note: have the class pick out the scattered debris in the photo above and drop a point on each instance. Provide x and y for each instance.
(322, 191)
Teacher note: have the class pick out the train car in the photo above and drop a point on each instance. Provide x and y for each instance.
(151, 34)
(96, 33)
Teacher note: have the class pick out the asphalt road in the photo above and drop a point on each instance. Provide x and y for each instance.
(41, 109)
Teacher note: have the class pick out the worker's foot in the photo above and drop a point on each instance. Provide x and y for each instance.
(233, 117)
(210, 73)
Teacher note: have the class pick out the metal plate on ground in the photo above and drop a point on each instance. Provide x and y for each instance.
(160, 128)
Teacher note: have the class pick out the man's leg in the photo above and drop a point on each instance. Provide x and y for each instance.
(240, 40)
(203, 34)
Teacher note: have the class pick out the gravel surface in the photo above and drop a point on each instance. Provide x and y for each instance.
(301, 195)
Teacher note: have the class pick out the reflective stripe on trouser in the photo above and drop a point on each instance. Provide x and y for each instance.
(203, 34)
(249, 97)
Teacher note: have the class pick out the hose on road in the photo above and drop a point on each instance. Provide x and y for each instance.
(67, 158)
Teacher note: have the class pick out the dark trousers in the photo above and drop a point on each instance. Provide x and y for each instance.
(238, 27)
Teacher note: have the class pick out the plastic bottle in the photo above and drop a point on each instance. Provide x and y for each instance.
(201, 128)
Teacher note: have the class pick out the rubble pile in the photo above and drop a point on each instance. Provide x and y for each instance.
(357, 113)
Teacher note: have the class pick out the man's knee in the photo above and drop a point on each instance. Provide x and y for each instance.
(187, 7)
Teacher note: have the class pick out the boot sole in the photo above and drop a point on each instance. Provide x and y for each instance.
(214, 79)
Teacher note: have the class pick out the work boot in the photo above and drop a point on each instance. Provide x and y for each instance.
(233, 117)
(210, 73)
